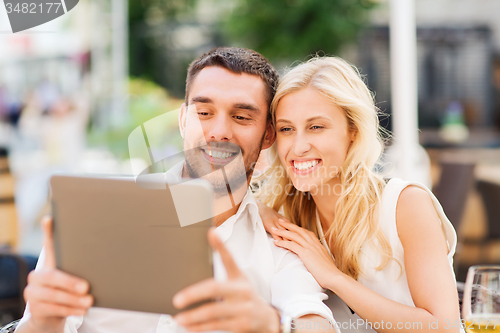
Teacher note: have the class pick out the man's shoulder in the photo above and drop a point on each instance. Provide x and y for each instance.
(283, 258)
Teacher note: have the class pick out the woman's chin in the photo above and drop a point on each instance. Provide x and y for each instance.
(305, 187)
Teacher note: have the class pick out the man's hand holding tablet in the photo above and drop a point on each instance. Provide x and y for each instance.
(239, 308)
(53, 294)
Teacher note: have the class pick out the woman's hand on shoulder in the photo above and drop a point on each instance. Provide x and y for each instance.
(270, 218)
(308, 247)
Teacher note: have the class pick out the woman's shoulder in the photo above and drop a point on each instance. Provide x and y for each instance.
(403, 191)
(419, 213)
(407, 198)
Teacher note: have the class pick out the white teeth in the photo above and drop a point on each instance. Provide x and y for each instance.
(305, 165)
(217, 154)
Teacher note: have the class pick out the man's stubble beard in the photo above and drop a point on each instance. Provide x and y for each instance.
(235, 177)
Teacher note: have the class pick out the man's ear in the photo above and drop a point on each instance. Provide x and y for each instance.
(269, 136)
(182, 119)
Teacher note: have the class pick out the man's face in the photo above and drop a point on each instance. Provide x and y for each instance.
(225, 127)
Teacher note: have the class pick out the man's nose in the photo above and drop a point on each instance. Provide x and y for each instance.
(220, 129)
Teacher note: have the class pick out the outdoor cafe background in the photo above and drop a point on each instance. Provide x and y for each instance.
(73, 89)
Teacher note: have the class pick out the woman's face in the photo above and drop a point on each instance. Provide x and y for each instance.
(312, 139)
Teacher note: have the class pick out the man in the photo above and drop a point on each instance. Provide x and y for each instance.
(225, 124)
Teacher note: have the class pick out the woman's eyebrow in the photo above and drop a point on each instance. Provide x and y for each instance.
(317, 118)
(307, 120)
(283, 121)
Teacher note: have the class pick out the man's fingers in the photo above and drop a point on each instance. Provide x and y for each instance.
(232, 269)
(207, 312)
(58, 297)
(48, 243)
(42, 309)
(207, 290)
(54, 278)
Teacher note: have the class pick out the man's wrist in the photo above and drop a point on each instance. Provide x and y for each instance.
(56, 325)
(286, 322)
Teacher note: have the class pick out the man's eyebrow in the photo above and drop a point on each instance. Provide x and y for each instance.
(243, 106)
(246, 106)
(201, 99)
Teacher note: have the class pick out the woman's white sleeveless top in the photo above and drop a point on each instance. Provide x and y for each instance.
(389, 282)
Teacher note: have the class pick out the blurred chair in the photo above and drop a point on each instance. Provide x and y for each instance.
(14, 268)
(13, 279)
(490, 193)
(8, 216)
(456, 180)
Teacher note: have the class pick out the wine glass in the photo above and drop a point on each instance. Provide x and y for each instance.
(481, 302)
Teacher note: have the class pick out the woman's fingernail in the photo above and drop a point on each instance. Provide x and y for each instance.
(274, 229)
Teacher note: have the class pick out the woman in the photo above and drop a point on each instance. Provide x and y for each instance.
(385, 249)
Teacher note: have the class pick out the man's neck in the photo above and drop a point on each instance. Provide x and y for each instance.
(221, 218)
(222, 202)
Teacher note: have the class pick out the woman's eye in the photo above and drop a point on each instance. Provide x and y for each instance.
(202, 113)
(285, 129)
(316, 127)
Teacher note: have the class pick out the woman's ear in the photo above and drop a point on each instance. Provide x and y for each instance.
(353, 134)
(182, 119)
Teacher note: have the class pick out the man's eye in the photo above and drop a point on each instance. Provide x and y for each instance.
(241, 118)
(202, 113)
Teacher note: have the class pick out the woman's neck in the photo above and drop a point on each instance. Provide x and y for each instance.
(326, 199)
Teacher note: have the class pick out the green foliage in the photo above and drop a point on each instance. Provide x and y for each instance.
(147, 100)
(144, 16)
(294, 29)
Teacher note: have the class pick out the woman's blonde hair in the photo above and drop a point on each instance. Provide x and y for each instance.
(356, 211)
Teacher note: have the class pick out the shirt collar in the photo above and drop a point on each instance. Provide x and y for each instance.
(174, 174)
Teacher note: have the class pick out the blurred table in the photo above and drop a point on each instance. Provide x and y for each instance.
(478, 138)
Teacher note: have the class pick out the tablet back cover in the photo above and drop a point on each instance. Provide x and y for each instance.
(127, 241)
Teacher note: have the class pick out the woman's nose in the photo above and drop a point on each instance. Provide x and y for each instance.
(301, 145)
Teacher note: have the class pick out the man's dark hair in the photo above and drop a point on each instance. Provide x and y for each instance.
(237, 60)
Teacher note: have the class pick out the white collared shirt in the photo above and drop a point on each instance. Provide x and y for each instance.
(277, 275)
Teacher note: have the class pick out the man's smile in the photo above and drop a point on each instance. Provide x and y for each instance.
(218, 156)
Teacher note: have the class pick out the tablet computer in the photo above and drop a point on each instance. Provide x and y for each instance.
(127, 240)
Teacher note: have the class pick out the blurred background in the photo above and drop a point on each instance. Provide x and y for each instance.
(73, 89)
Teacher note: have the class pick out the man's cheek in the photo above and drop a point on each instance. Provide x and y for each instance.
(194, 133)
